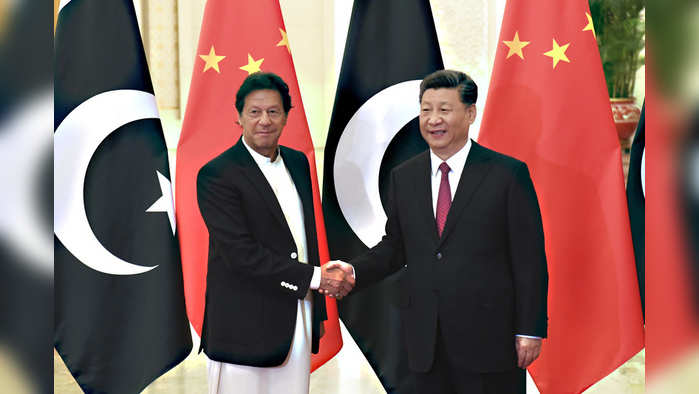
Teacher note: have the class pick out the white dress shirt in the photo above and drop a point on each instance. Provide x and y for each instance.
(456, 167)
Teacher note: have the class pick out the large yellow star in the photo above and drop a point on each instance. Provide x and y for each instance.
(558, 53)
(253, 65)
(516, 46)
(284, 41)
(590, 25)
(212, 60)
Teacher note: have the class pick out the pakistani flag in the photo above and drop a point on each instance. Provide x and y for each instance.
(391, 46)
(119, 306)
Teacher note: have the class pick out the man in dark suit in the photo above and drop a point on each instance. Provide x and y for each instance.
(261, 321)
(464, 223)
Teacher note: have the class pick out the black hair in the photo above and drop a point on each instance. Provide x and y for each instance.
(263, 81)
(451, 79)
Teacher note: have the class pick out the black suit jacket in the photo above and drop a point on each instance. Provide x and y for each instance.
(254, 279)
(484, 280)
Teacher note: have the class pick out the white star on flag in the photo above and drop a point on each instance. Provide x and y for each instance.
(164, 203)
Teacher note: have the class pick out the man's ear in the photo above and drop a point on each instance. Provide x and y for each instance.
(473, 111)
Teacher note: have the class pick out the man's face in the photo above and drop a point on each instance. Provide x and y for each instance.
(262, 120)
(444, 121)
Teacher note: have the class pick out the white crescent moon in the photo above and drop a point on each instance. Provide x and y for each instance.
(62, 4)
(24, 145)
(360, 150)
(75, 141)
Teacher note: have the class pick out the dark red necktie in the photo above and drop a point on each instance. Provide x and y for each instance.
(443, 198)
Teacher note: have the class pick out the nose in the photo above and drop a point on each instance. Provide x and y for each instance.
(264, 119)
(433, 119)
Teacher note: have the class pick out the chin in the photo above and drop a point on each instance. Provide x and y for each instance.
(438, 146)
(266, 141)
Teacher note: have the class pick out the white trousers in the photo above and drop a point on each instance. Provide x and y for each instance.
(291, 377)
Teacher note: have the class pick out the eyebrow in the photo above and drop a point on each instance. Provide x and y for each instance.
(275, 106)
(438, 104)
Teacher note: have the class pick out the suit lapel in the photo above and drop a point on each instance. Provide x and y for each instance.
(259, 182)
(423, 193)
(303, 188)
(476, 168)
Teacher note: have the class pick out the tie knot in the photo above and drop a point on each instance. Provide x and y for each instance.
(444, 167)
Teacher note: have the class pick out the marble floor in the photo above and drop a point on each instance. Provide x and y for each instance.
(346, 373)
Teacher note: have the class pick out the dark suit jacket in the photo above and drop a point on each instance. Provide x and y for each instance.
(254, 279)
(484, 280)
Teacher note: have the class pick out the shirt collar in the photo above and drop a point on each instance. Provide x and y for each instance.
(456, 161)
(261, 159)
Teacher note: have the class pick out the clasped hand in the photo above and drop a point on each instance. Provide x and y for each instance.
(337, 279)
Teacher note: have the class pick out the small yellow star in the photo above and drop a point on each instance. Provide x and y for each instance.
(516, 46)
(590, 25)
(558, 53)
(253, 65)
(284, 41)
(212, 60)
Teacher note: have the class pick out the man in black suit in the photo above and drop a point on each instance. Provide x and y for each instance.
(261, 321)
(464, 223)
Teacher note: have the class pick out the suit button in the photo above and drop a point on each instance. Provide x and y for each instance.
(294, 255)
(439, 255)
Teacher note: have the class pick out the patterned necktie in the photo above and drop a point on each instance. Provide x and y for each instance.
(444, 198)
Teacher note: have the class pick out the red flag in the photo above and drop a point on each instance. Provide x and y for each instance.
(671, 314)
(237, 38)
(549, 107)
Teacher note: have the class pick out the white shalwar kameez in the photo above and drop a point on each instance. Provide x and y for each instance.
(293, 375)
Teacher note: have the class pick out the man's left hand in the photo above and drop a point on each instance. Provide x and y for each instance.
(528, 350)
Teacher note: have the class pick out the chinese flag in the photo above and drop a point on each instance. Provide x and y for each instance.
(548, 106)
(237, 38)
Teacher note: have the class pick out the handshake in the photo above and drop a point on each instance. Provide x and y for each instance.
(337, 279)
